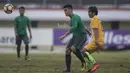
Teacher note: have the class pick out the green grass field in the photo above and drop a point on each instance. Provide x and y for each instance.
(110, 62)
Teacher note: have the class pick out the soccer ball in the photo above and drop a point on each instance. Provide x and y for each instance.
(8, 8)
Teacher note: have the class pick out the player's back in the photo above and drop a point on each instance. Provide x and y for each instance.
(96, 23)
(80, 29)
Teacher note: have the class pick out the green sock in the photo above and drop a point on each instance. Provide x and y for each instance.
(90, 58)
(88, 63)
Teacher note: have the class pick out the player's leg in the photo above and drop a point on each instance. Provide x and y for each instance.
(18, 43)
(95, 65)
(26, 42)
(78, 44)
(79, 56)
(68, 60)
(26, 50)
(90, 60)
(77, 53)
(92, 66)
(18, 51)
(91, 63)
(68, 56)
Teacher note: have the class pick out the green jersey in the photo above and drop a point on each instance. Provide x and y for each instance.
(77, 26)
(21, 23)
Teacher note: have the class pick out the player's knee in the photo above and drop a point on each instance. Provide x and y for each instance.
(26, 43)
(89, 51)
(68, 51)
(73, 49)
(85, 50)
(18, 45)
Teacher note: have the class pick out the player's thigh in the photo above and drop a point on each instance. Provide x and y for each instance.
(79, 42)
(69, 45)
(25, 39)
(91, 46)
(18, 40)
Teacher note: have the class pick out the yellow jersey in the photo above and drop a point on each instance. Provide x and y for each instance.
(96, 23)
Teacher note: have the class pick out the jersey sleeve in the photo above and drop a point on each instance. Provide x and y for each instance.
(74, 23)
(28, 21)
(94, 23)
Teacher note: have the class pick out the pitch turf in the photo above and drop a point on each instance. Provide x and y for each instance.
(110, 62)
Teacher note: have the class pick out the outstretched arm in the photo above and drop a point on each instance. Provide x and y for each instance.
(63, 36)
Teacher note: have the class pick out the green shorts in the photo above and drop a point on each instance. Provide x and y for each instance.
(21, 38)
(77, 41)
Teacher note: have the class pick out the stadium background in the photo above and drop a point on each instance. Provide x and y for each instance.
(47, 18)
(48, 22)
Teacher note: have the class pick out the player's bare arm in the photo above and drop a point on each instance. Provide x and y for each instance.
(95, 30)
(63, 36)
(15, 30)
(89, 33)
(29, 29)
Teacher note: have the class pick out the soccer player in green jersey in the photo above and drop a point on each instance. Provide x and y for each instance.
(77, 28)
(20, 23)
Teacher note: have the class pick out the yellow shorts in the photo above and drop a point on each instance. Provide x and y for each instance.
(91, 46)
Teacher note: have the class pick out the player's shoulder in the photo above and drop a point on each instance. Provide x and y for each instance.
(16, 17)
(76, 16)
(26, 17)
(95, 18)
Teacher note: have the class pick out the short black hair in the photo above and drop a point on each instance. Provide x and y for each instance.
(93, 9)
(68, 6)
(21, 7)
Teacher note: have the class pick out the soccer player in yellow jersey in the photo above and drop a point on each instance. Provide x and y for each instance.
(97, 39)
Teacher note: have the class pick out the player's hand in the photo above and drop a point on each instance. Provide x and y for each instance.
(62, 37)
(31, 36)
